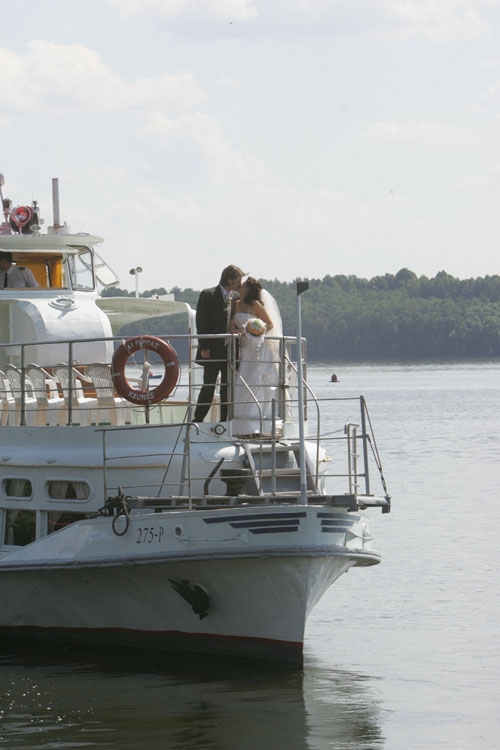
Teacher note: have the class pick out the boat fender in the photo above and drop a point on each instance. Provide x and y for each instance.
(144, 396)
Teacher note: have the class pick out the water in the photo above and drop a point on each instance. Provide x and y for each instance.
(402, 655)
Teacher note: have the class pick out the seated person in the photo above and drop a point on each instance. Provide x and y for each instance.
(13, 275)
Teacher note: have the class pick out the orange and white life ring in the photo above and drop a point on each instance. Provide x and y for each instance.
(22, 215)
(144, 395)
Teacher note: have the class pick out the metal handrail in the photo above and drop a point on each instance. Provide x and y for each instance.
(306, 385)
(18, 353)
(168, 454)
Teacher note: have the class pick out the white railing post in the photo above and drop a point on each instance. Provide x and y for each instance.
(302, 286)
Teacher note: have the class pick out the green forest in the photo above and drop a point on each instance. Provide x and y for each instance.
(400, 317)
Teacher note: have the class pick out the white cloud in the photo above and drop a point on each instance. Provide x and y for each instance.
(172, 91)
(69, 77)
(317, 232)
(222, 163)
(436, 19)
(420, 134)
(230, 82)
(442, 20)
(235, 10)
(480, 180)
(492, 94)
(439, 20)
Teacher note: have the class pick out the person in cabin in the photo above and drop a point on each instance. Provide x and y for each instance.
(212, 316)
(14, 275)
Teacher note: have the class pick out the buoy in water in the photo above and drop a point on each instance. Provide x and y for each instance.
(334, 379)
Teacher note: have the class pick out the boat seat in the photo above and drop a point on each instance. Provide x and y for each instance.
(47, 394)
(111, 409)
(82, 407)
(7, 399)
(16, 382)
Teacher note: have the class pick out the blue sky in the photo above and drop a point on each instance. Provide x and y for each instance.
(296, 138)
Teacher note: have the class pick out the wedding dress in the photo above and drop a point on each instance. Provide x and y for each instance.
(258, 375)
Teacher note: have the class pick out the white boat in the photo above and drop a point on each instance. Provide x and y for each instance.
(124, 523)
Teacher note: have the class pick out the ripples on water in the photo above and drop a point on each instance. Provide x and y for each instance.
(403, 655)
(62, 700)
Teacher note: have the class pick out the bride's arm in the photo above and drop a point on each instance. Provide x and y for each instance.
(232, 327)
(260, 312)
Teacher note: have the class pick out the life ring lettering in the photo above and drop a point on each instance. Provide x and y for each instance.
(145, 396)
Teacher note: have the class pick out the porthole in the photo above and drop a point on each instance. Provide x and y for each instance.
(58, 489)
(17, 488)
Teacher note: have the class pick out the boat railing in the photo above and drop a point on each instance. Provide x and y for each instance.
(116, 462)
(73, 400)
(181, 484)
(77, 388)
(351, 431)
(308, 390)
(353, 445)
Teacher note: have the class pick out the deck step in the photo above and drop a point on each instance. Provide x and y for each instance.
(268, 448)
(290, 471)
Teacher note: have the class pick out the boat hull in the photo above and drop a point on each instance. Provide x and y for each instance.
(251, 600)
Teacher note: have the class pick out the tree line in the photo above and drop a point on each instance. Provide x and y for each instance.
(395, 317)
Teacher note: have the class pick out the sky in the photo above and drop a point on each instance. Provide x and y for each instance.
(294, 138)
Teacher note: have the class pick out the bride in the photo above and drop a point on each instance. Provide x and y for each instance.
(255, 316)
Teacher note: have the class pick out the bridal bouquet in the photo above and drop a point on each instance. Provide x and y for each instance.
(256, 327)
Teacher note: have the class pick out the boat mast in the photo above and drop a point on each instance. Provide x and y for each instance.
(55, 203)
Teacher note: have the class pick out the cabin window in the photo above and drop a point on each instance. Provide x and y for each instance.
(39, 270)
(56, 273)
(59, 519)
(81, 270)
(48, 270)
(66, 490)
(17, 488)
(20, 527)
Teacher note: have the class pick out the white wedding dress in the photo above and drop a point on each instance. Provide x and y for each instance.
(258, 376)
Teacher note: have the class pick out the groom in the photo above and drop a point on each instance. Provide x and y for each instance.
(212, 317)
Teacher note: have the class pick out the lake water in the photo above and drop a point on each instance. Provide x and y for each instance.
(402, 655)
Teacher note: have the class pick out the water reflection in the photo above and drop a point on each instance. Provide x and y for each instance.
(341, 709)
(54, 698)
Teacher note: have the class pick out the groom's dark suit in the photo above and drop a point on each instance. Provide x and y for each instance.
(211, 317)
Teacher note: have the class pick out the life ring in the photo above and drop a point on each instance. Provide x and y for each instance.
(63, 303)
(145, 396)
(22, 215)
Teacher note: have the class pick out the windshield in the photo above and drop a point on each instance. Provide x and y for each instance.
(81, 270)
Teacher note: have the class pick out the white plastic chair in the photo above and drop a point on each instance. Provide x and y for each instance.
(111, 409)
(47, 394)
(81, 406)
(15, 379)
(7, 399)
